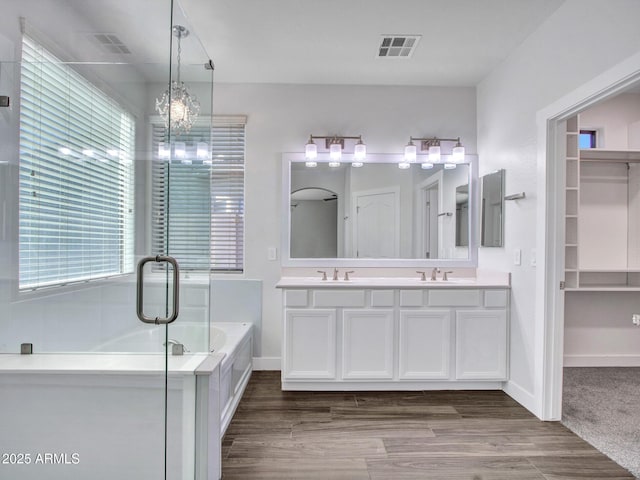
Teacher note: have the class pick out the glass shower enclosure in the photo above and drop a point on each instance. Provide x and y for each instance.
(104, 222)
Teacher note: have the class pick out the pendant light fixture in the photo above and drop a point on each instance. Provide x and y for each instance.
(177, 107)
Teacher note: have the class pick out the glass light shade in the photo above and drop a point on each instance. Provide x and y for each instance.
(180, 150)
(202, 151)
(310, 151)
(357, 164)
(335, 152)
(181, 112)
(360, 151)
(434, 153)
(334, 164)
(410, 152)
(64, 150)
(427, 165)
(449, 166)
(311, 164)
(404, 165)
(457, 154)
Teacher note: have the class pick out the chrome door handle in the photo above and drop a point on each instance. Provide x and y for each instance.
(140, 290)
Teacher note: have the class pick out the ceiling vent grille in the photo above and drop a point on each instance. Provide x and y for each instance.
(110, 43)
(397, 46)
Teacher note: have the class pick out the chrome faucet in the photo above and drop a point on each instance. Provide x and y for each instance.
(423, 276)
(335, 274)
(444, 275)
(346, 275)
(177, 348)
(324, 274)
(434, 272)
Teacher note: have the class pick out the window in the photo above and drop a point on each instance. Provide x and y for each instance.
(76, 176)
(587, 139)
(198, 205)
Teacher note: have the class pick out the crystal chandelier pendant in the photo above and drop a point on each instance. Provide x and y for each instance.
(178, 108)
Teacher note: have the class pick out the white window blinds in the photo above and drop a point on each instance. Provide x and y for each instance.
(76, 176)
(199, 203)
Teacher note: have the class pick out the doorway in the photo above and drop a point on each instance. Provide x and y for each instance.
(552, 124)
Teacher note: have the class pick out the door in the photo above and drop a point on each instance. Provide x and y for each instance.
(377, 225)
(77, 215)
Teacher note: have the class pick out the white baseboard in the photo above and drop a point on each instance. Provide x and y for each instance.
(602, 360)
(266, 363)
(522, 396)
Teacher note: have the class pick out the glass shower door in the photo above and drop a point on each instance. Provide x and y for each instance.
(91, 182)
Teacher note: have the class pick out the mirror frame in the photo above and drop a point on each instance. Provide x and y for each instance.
(285, 241)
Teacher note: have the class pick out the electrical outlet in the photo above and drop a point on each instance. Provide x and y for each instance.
(635, 319)
(534, 262)
(517, 256)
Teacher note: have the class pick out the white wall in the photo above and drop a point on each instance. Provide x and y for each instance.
(280, 119)
(579, 41)
(614, 118)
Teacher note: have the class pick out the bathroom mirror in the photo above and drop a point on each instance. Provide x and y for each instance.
(376, 214)
(492, 209)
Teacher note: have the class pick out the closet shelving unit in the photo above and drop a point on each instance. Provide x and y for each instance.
(602, 217)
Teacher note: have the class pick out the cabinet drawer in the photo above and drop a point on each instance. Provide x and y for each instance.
(295, 298)
(338, 298)
(454, 298)
(495, 298)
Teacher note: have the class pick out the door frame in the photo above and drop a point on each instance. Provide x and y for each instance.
(549, 334)
(395, 190)
(434, 180)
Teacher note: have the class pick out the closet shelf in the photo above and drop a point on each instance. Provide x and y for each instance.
(608, 288)
(610, 155)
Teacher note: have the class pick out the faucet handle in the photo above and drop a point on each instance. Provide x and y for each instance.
(324, 274)
(444, 276)
(346, 275)
(335, 274)
(423, 275)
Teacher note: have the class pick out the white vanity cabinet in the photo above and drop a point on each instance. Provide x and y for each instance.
(350, 338)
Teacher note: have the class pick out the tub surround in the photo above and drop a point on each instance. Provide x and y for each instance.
(395, 332)
(108, 410)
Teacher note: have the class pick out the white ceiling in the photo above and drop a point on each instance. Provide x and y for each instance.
(298, 41)
(336, 41)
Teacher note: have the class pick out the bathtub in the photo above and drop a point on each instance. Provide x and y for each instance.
(108, 408)
(234, 340)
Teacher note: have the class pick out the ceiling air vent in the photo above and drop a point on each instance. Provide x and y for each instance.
(397, 46)
(110, 43)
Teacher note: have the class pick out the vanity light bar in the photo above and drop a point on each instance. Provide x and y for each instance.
(335, 145)
(432, 146)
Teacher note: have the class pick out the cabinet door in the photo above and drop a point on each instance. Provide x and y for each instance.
(425, 336)
(481, 345)
(367, 344)
(310, 344)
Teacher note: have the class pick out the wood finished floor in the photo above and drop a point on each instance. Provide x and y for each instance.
(400, 435)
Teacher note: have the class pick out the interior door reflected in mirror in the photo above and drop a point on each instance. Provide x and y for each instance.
(377, 211)
(492, 209)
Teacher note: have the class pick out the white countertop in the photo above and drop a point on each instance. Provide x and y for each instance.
(485, 281)
(111, 363)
